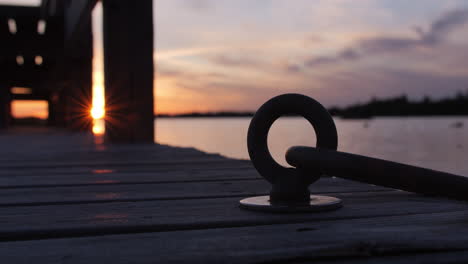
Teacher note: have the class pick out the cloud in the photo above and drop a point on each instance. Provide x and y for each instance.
(165, 72)
(349, 87)
(231, 61)
(293, 68)
(387, 44)
(444, 25)
(199, 5)
(437, 33)
(348, 54)
(225, 75)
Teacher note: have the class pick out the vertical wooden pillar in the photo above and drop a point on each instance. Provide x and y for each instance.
(60, 109)
(78, 91)
(5, 107)
(128, 66)
(52, 112)
(57, 113)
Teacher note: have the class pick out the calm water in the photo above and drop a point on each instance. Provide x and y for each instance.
(430, 142)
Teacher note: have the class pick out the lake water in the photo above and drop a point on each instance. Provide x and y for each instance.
(439, 143)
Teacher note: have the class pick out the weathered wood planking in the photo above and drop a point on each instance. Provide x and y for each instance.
(91, 152)
(106, 176)
(38, 154)
(72, 202)
(36, 222)
(387, 239)
(185, 165)
(103, 192)
(214, 161)
(20, 145)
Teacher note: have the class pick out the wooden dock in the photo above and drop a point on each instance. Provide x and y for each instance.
(65, 199)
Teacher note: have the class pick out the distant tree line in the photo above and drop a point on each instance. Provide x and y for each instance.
(401, 106)
(210, 114)
(396, 106)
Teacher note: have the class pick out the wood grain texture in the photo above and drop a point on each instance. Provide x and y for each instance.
(119, 176)
(387, 239)
(68, 201)
(105, 191)
(33, 222)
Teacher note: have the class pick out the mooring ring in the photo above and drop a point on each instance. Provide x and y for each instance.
(287, 181)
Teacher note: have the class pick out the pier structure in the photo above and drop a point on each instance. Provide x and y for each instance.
(47, 54)
(64, 201)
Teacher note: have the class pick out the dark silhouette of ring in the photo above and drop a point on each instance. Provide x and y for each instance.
(289, 185)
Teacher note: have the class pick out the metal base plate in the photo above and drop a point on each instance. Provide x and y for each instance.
(317, 204)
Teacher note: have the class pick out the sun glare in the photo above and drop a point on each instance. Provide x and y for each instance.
(98, 109)
(98, 126)
(97, 112)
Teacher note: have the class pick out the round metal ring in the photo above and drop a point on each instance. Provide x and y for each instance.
(289, 184)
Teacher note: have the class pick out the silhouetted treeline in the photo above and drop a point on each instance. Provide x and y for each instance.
(401, 106)
(397, 106)
(211, 114)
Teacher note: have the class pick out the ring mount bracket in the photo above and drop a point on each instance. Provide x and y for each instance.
(290, 192)
(317, 203)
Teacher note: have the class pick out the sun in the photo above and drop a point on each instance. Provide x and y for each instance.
(97, 112)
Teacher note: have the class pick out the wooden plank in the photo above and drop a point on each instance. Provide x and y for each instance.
(41, 151)
(57, 158)
(104, 193)
(53, 145)
(426, 255)
(5, 105)
(38, 222)
(189, 165)
(110, 177)
(99, 157)
(394, 239)
(93, 153)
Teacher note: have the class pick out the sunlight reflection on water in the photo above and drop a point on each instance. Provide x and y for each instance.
(434, 142)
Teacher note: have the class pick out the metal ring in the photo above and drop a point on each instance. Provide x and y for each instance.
(288, 181)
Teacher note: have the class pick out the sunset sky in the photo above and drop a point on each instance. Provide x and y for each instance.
(214, 55)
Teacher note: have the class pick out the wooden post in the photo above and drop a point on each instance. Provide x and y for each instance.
(57, 107)
(5, 107)
(52, 112)
(128, 64)
(78, 91)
